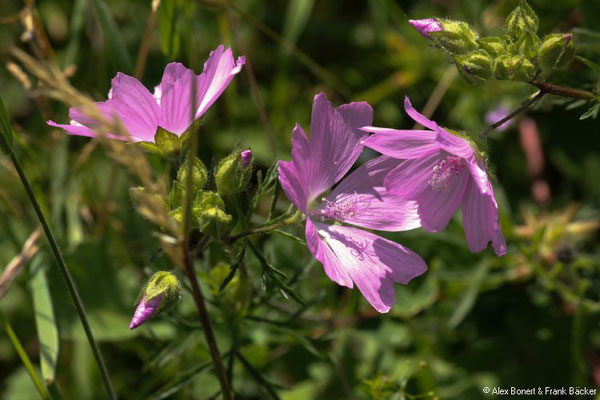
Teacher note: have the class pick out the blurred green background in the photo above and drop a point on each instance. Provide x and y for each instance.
(527, 319)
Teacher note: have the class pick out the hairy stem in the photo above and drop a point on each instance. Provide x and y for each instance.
(513, 114)
(189, 270)
(564, 91)
(264, 229)
(67, 278)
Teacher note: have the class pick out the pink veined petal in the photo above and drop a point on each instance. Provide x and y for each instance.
(75, 128)
(335, 140)
(411, 180)
(403, 144)
(479, 175)
(175, 96)
(294, 175)
(372, 262)
(362, 200)
(145, 310)
(480, 219)
(319, 249)
(418, 117)
(454, 144)
(135, 107)
(218, 72)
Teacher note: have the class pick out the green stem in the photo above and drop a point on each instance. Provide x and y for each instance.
(67, 278)
(25, 358)
(264, 229)
(564, 91)
(189, 270)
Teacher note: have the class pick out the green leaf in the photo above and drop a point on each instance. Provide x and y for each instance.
(296, 17)
(592, 112)
(114, 39)
(590, 64)
(45, 320)
(168, 28)
(6, 139)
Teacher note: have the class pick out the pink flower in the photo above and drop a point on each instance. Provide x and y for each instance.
(424, 26)
(170, 108)
(145, 310)
(349, 255)
(441, 172)
(246, 158)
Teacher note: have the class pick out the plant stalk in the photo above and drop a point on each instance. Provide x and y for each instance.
(564, 91)
(264, 229)
(513, 114)
(67, 278)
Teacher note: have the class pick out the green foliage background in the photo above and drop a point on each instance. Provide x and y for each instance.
(527, 319)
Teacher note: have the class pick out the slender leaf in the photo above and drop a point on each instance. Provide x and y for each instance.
(470, 296)
(45, 320)
(6, 139)
(592, 112)
(168, 28)
(115, 42)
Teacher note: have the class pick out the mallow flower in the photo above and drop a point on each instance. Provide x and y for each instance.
(441, 171)
(349, 255)
(169, 108)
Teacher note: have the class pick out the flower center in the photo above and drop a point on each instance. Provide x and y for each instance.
(443, 173)
(339, 210)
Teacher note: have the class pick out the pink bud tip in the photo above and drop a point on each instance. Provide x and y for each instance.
(424, 26)
(246, 157)
(568, 38)
(145, 310)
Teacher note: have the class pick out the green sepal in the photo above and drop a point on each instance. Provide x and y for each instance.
(166, 143)
(456, 37)
(162, 282)
(556, 52)
(209, 210)
(496, 46)
(475, 68)
(528, 45)
(514, 67)
(521, 19)
(6, 132)
(199, 174)
(230, 175)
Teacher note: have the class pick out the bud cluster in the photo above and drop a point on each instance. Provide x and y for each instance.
(518, 55)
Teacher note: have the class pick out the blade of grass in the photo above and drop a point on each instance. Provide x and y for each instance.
(116, 44)
(45, 320)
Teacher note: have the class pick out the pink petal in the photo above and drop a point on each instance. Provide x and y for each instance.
(175, 96)
(372, 206)
(335, 140)
(218, 71)
(410, 180)
(145, 310)
(480, 219)
(372, 262)
(334, 270)
(454, 144)
(402, 144)
(480, 176)
(294, 175)
(418, 117)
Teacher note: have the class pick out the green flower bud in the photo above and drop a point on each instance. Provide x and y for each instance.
(475, 67)
(528, 45)
(209, 211)
(233, 173)
(557, 51)
(516, 68)
(496, 45)
(199, 174)
(161, 292)
(456, 37)
(521, 19)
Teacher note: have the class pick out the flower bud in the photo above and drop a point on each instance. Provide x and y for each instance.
(161, 292)
(495, 45)
(424, 26)
(516, 68)
(166, 143)
(233, 173)
(528, 45)
(521, 19)
(475, 67)
(556, 51)
(199, 174)
(456, 37)
(209, 211)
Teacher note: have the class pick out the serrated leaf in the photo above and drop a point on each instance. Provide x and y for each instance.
(6, 140)
(45, 320)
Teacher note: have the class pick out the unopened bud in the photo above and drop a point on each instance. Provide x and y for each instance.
(557, 51)
(199, 174)
(424, 26)
(495, 45)
(161, 292)
(475, 67)
(209, 211)
(456, 37)
(516, 68)
(521, 19)
(528, 45)
(232, 175)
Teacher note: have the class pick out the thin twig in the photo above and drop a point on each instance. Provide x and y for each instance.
(513, 114)
(565, 91)
(189, 270)
(263, 229)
